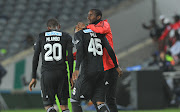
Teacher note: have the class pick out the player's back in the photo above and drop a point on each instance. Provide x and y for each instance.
(53, 45)
(92, 50)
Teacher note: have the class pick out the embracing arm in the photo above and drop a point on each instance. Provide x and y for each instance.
(103, 27)
(70, 55)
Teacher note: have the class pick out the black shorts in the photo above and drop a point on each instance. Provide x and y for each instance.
(52, 83)
(89, 86)
(110, 79)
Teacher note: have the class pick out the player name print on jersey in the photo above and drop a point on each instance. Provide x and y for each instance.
(93, 34)
(48, 39)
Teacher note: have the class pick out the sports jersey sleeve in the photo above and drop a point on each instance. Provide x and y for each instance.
(79, 46)
(110, 51)
(37, 51)
(103, 27)
(70, 54)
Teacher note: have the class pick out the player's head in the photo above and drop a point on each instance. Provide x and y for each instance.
(176, 18)
(94, 15)
(53, 24)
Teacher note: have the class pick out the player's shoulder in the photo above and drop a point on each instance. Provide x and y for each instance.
(79, 34)
(42, 34)
(65, 33)
(103, 23)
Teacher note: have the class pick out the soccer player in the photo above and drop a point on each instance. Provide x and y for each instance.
(90, 83)
(52, 45)
(98, 25)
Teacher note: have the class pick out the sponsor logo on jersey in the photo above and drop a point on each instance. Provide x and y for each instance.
(53, 33)
(87, 31)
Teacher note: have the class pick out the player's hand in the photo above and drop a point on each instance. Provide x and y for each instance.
(72, 83)
(75, 75)
(77, 29)
(32, 83)
(81, 25)
(119, 70)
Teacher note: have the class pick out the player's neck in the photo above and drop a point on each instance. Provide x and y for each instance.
(53, 29)
(96, 22)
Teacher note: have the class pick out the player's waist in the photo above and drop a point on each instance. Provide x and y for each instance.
(54, 67)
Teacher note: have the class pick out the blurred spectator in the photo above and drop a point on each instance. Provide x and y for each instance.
(175, 48)
(29, 41)
(166, 62)
(155, 30)
(168, 53)
(162, 39)
(2, 72)
(3, 19)
(175, 26)
(162, 18)
(3, 52)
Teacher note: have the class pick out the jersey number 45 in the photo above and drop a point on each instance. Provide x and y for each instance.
(95, 46)
(54, 52)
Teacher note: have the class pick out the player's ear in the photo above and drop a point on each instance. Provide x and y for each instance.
(98, 17)
(59, 26)
(48, 28)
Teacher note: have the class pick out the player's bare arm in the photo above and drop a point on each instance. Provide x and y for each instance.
(75, 75)
(119, 70)
(32, 84)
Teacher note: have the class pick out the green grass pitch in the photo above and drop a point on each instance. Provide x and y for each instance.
(41, 110)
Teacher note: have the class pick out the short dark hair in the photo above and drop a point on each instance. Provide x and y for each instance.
(97, 11)
(52, 23)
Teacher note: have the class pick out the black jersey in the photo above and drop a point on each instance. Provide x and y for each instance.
(53, 46)
(89, 47)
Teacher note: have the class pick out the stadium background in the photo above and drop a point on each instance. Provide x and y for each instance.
(20, 18)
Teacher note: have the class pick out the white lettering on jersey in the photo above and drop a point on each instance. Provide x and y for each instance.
(93, 34)
(48, 39)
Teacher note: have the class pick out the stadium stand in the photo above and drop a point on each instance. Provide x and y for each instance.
(19, 18)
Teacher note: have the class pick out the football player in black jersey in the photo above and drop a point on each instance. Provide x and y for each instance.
(90, 85)
(53, 44)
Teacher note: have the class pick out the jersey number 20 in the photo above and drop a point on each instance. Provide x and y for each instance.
(52, 49)
(95, 46)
